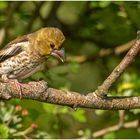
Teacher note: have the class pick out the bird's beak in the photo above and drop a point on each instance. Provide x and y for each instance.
(60, 54)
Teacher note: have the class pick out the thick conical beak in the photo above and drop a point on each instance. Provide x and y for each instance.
(60, 54)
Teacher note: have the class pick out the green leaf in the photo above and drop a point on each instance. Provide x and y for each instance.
(94, 4)
(99, 112)
(79, 115)
(50, 108)
(104, 4)
(135, 111)
(3, 5)
(110, 135)
(3, 131)
(64, 110)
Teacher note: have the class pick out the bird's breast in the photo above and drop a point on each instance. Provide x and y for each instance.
(20, 65)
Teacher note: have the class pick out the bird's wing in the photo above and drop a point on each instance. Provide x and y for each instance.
(13, 48)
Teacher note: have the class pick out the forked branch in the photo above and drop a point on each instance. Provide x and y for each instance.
(97, 100)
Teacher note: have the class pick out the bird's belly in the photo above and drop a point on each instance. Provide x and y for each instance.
(23, 71)
(19, 66)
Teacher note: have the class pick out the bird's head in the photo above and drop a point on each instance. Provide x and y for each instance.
(49, 41)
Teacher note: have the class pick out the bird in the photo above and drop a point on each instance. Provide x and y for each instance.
(27, 54)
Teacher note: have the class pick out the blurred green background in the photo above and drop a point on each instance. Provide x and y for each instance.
(98, 34)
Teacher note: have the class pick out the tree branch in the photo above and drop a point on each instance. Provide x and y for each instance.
(118, 126)
(128, 59)
(39, 91)
(131, 124)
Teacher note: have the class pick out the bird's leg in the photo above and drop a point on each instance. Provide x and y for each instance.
(16, 83)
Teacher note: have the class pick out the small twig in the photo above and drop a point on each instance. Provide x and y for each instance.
(124, 47)
(121, 117)
(26, 131)
(2, 35)
(103, 89)
(131, 124)
(102, 53)
(105, 130)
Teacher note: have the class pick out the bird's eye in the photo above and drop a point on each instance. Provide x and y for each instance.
(52, 45)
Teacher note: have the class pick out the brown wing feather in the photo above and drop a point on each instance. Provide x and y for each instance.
(13, 48)
(20, 39)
